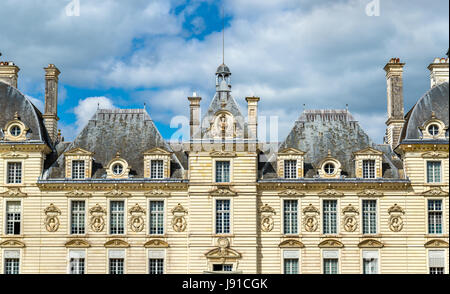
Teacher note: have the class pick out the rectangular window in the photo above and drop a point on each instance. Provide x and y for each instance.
(290, 169)
(369, 216)
(330, 216)
(116, 266)
(223, 216)
(434, 216)
(117, 217)
(433, 171)
(222, 267)
(290, 217)
(370, 262)
(14, 173)
(436, 261)
(11, 262)
(157, 169)
(77, 262)
(156, 266)
(78, 172)
(13, 217)
(222, 171)
(290, 266)
(369, 169)
(330, 266)
(77, 217)
(156, 217)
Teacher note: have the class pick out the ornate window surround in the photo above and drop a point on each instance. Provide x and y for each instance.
(157, 154)
(15, 122)
(16, 248)
(433, 121)
(290, 154)
(368, 154)
(329, 160)
(125, 168)
(78, 154)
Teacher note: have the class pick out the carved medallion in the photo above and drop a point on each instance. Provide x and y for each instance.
(137, 222)
(350, 221)
(52, 220)
(310, 220)
(97, 220)
(267, 221)
(179, 223)
(396, 218)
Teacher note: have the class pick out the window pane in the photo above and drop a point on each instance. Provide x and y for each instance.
(369, 216)
(433, 171)
(223, 216)
(329, 216)
(291, 266)
(78, 171)
(330, 266)
(77, 266)
(369, 169)
(370, 266)
(435, 216)
(157, 169)
(290, 169)
(14, 173)
(13, 217)
(222, 171)
(12, 266)
(290, 217)
(116, 266)
(156, 266)
(117, 217)
(156, 217)
(78, 217)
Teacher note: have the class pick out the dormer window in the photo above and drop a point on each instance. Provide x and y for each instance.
(433, 130)
(117, 169)
(156, 169)
(15, 131)
(369, 169)
(290, 169)
(368, 163)
(329, 168)
(290, 163)
(78, 164)
(78, 169)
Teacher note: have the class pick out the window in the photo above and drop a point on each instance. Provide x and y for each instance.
(433, 171)
(14, 172)
(156, 266)
(12, 262)
(369, 216)
(290, 169)
(291, 266)
(436, 261)
(77, 217)
(13, 217)
(156, 217)
(329, 217)
(77, 262)
(222, 216)
(370, 262)
(329, 168)
(434, 216)
(222, 267)
(157, 169)
(369, 169)
(290, 217)
(433, 130)
(117, 217)
(15, 131)
(117, 169)
(222, 171)
(330, 266)
(116, 266)
(78, 172)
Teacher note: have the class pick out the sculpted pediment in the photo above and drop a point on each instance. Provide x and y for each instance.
(291, 151)
(222, 154)
(78, 151)
(435, 154)
(370, 192)
(436, 243)
(12, 244)
(370, 243)
(78, 193)
(14, 155)
(434, 191)
(291, 243)
(13, 192)
(223, 253)
(117, 193)
(223, 191)
(157, 151)
(331, 243)
(331, 192)
(156, 243)
(291, 192)
(117, 243)
(157, 193)
(368, 151)
(77, 243)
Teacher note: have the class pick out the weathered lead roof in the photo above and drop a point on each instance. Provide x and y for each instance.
(435, 100)
(12, 101)
(318, 131)
(128, 131)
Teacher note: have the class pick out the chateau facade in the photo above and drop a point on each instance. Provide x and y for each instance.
(326, 200)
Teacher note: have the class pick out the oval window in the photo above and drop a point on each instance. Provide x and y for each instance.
(117, 169)
(15, 131)
(329, 168)
(433, 130)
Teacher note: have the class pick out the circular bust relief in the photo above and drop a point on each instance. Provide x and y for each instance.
(15, 131)
(117, 169)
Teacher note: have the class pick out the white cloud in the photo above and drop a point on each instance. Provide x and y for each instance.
(38, 103)
(86, 109)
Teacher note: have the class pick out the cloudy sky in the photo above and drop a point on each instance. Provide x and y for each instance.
(324, 54)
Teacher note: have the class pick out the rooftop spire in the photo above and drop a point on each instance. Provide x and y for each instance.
(223, 35)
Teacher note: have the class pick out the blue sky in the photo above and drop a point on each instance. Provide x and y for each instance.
(324, 54)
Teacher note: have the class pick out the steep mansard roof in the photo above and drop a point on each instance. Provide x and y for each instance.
(435, 100)
(317, 131)
(12, 101)
(128, 131)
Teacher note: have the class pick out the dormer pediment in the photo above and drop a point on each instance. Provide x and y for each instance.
(78, 151)
(157, 151)
(291, 151)
(368, 151)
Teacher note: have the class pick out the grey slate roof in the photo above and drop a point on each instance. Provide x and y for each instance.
(12, 101)
(128, 131)
(317, 131)
(435, 100)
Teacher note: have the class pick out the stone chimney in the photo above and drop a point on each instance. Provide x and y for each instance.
(253, 115)
(9, 73)
(438, 71)
(395, 108)
(194, 116)
(51, 101)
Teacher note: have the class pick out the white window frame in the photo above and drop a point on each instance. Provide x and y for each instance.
(3, 263)
(22, 172)
(369, 169)
(122, 253)
(444, 250)
(5, 216)
(440, 172)
(214, 169)
(376, 216)
(157, 254)
(85, 216)
(283, 217)
(125, 219)
(295, 172)
(323, 256)
(69, 256)
(215, 217)
(162, 172)
(164, 216)
(81, 176)
(338, 221)
(443, 216)
(290, 254)
(377, 252)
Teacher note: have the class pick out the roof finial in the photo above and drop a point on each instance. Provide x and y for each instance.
(16, 115)
(223, 34)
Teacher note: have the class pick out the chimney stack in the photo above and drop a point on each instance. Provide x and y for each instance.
(9, 73)
(253, 115)
(395, 108)
(51, 101)
(438, 71)
(194, 116)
